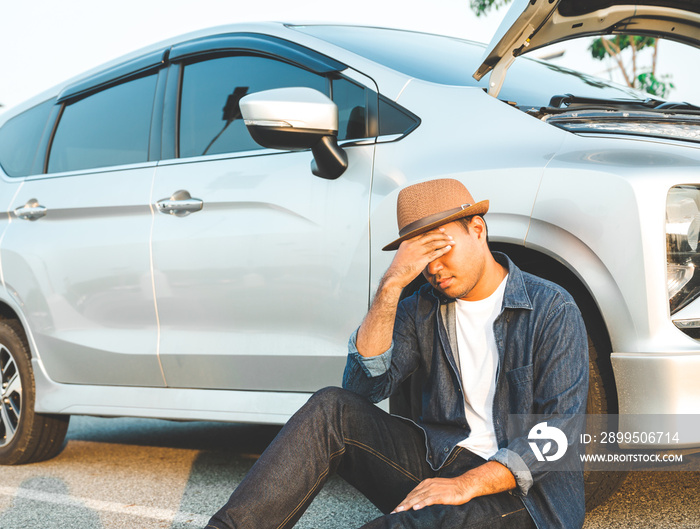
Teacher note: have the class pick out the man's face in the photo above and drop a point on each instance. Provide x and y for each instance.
(457, 273)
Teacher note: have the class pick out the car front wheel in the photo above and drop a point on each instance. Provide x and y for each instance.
(602, 400)
(25, 436)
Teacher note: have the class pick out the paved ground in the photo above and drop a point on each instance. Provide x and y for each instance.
(128, 473)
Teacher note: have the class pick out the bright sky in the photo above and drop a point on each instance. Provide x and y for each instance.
(44, 42)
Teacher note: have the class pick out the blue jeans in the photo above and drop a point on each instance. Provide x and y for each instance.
(382, 456)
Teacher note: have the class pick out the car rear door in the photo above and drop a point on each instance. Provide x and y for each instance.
(76, 255)
(261, 269)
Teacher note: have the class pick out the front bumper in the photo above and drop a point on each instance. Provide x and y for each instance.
(658, 384)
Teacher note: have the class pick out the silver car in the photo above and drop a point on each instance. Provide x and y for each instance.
(193, 231)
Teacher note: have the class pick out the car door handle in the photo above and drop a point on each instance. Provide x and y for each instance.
(32, 210)
(180, 204)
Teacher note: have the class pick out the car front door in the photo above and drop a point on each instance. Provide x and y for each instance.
(261, 269)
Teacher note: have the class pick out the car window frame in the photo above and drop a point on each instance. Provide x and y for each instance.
(36, 166)
(153, 62)
(86, 91)
(218, 54)
(249, 44)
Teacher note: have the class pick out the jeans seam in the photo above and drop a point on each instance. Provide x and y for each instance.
(312, 489)
(497, 517)
(382, 457)
(512, 512)
(457, 451)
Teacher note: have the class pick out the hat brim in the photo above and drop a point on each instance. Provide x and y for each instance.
(480, 208)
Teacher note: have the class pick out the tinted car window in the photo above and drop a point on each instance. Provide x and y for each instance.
(352, 104)
(210, 120)
(111, 127)
(394, 119)
(19, 139)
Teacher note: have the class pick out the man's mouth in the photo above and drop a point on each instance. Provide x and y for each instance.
(443, 282)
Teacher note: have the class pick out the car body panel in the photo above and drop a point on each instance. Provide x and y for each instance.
(221, 296)
(82, 275)
(629, 179)
(653, 383)
(271, 407)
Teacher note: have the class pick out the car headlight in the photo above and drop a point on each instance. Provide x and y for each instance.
(682, 235)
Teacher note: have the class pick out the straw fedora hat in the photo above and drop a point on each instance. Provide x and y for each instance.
(422, 207)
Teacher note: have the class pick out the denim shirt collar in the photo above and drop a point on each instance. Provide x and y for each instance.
(515, 295)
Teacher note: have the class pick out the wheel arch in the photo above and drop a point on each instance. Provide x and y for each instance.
(600, 344)
(9, 313)
(547, 267)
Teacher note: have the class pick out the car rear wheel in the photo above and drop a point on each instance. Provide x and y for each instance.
(25, 436)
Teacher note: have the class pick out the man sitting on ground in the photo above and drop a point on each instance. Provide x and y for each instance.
(481, 344)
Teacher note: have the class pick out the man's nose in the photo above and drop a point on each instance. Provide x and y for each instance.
(434, 267)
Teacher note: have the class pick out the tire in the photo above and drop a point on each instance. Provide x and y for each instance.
(25, 436)
(602, 399)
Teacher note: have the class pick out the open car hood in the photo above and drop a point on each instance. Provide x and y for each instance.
(532, 24)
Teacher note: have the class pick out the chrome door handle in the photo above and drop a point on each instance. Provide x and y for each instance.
(32, 210)
(180, 204)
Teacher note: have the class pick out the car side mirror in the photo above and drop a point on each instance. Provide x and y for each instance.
(297, 119)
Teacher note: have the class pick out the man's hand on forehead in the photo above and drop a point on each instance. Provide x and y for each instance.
(375, 334)
(431, 242)
(415, 254)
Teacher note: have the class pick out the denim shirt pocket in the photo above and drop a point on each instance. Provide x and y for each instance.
(520, 389)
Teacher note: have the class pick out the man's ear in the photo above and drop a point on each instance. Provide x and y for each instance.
(479, 226)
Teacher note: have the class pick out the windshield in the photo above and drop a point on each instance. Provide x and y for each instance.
(451, 61)
(421, 55)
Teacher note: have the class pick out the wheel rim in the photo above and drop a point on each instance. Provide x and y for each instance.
(10, 396)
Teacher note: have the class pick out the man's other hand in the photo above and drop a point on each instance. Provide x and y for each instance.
(436, 491)
(489, 478)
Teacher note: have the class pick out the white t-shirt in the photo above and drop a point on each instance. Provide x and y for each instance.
(478, 361)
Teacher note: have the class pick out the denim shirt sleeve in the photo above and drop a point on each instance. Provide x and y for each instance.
(372, 366)
(560, 392)
(513, 462)
(367, 375)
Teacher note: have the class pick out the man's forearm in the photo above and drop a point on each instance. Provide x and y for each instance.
(375, 334)
(490, 478)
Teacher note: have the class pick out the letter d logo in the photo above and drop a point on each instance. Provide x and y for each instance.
(542, 431)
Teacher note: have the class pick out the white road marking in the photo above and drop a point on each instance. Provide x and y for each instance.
(196, 520)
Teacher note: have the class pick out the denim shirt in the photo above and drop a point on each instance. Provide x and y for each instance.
(542, 369)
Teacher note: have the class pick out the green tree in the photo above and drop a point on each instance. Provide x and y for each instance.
(619, 48)
(615, 48)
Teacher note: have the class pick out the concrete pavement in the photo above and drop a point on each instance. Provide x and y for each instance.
(128, 473)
